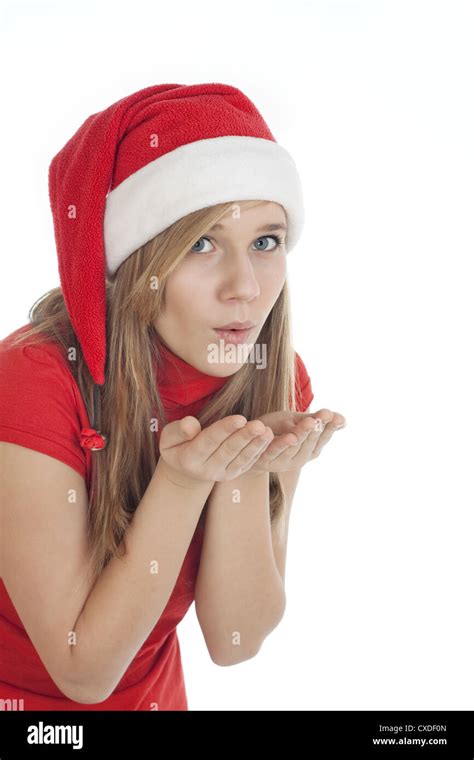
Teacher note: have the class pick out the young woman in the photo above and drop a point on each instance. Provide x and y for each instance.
(154, 416)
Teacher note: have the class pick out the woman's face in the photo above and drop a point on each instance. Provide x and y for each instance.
(235, 272)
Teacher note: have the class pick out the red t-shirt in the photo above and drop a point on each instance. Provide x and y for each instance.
(41, 408)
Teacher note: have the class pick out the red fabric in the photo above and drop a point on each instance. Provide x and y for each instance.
(303, 390)
(41, 408)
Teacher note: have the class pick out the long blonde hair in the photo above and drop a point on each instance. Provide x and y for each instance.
(129, 399)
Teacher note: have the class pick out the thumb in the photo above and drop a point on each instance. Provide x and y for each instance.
(189, 427)
(179, 431)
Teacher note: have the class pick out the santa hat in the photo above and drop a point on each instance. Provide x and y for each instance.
(135, 168)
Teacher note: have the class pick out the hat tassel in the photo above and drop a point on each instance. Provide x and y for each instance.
(92, 438)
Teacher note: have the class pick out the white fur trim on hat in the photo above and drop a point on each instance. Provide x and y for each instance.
(194, 176)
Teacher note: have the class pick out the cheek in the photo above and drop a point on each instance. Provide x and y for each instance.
(272, 276)
(179, 280)
(185, 296)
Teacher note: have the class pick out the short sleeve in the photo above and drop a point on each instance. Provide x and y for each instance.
(303, 390)
(38, 406)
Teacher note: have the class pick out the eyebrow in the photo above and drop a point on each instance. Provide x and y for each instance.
(260, 229)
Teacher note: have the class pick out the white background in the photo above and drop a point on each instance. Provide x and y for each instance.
(374, 101)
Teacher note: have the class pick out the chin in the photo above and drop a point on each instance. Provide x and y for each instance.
(222, 370)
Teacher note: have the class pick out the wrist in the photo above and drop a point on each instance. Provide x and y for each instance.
(260, 475)
(180, 479)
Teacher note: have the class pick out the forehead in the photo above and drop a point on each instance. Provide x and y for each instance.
(260, 215)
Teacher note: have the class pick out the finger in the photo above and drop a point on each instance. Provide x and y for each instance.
(231, 446)
(290, 422)
(249, 454)
(307, 425)
(278, 446)
(306, 440)
(337, 423)
(293, 447)
(256, 444)
(328, 420)
(281, 458)
(323, 417)
(305, 451)
(214, 435)
(309, 422)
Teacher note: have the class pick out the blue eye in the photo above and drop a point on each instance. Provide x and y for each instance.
(193, 249)
(276, 238)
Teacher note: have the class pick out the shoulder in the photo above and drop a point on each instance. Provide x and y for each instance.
(41, 406)
(19, 360)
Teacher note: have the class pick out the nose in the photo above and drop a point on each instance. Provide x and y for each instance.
(238, 278)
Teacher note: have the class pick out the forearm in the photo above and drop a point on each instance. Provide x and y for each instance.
(288, 482)
(132, 592)
(239, 591)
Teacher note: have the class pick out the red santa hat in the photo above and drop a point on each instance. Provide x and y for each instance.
(135, 168)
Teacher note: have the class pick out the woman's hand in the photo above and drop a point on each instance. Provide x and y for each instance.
(299, 437)
(223, 451)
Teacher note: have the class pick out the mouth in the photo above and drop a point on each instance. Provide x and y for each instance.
(234, 335)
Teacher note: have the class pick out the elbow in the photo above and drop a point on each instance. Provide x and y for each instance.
(235, 654)
(225, 660)
(83, 694)
(81, 688)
